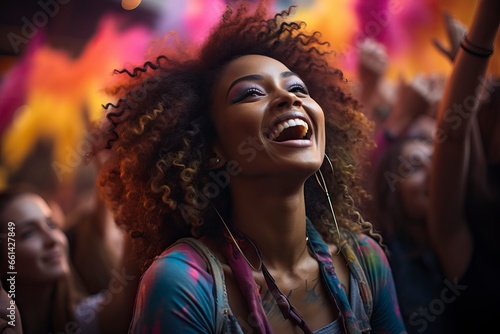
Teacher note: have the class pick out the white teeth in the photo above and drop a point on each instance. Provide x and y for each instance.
(287, 124)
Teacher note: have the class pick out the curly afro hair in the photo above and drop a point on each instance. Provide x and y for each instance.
(160, 132)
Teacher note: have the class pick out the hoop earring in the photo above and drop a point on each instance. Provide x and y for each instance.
(259, 267)
(323, 187)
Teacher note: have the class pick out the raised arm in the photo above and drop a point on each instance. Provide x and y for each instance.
(448, 229)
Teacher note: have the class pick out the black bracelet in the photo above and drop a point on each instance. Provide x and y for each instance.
(480, 48)
(474, 53)
(476, 50)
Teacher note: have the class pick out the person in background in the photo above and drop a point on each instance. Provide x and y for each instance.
(400, 190)
(464, 242)
(373, 90)
(95, 241)
(46, 292)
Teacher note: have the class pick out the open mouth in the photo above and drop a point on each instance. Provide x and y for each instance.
(291, 129)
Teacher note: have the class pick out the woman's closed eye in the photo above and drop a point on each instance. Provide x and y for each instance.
(27, 233)
(31, 228)
(248, 93)
(298, 88)
(51, 224)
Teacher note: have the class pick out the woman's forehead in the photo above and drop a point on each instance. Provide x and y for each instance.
(27, 207)
(253, 64)
(248, 65)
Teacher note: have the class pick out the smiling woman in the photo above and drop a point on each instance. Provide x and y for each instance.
(278, 245)
(36, 271)
(41, 271)
(257, 96)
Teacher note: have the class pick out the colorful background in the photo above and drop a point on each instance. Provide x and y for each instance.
(57, 55)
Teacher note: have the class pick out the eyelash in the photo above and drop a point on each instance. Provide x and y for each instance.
(257, 92)
(248, 92)
(29, 232)
(26, 234)
(52, 224)
(301, 88)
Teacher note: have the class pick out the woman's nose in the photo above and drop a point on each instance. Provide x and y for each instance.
(50, 237)
(286, 99)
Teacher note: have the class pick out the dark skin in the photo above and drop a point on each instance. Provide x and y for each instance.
(303, 285)
(253, 95)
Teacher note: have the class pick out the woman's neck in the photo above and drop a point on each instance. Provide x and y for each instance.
(273, 217)
(35, 306)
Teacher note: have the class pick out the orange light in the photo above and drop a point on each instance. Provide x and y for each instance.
(130, 4)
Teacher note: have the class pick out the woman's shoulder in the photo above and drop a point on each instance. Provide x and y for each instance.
(177, 276)
(385, 316)
(176, 281)
(361, 241)
(178, 263)
(368, 244)
(369, 252)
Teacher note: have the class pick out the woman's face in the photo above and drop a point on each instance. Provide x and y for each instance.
(265, 119)
(40, 245)
(414, 167)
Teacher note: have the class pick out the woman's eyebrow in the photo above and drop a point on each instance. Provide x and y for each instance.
(32, 221)
(251, 77)
(289, 74)
(26, 223)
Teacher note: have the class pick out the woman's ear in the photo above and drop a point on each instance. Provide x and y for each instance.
(218, 159)
(215, 162)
